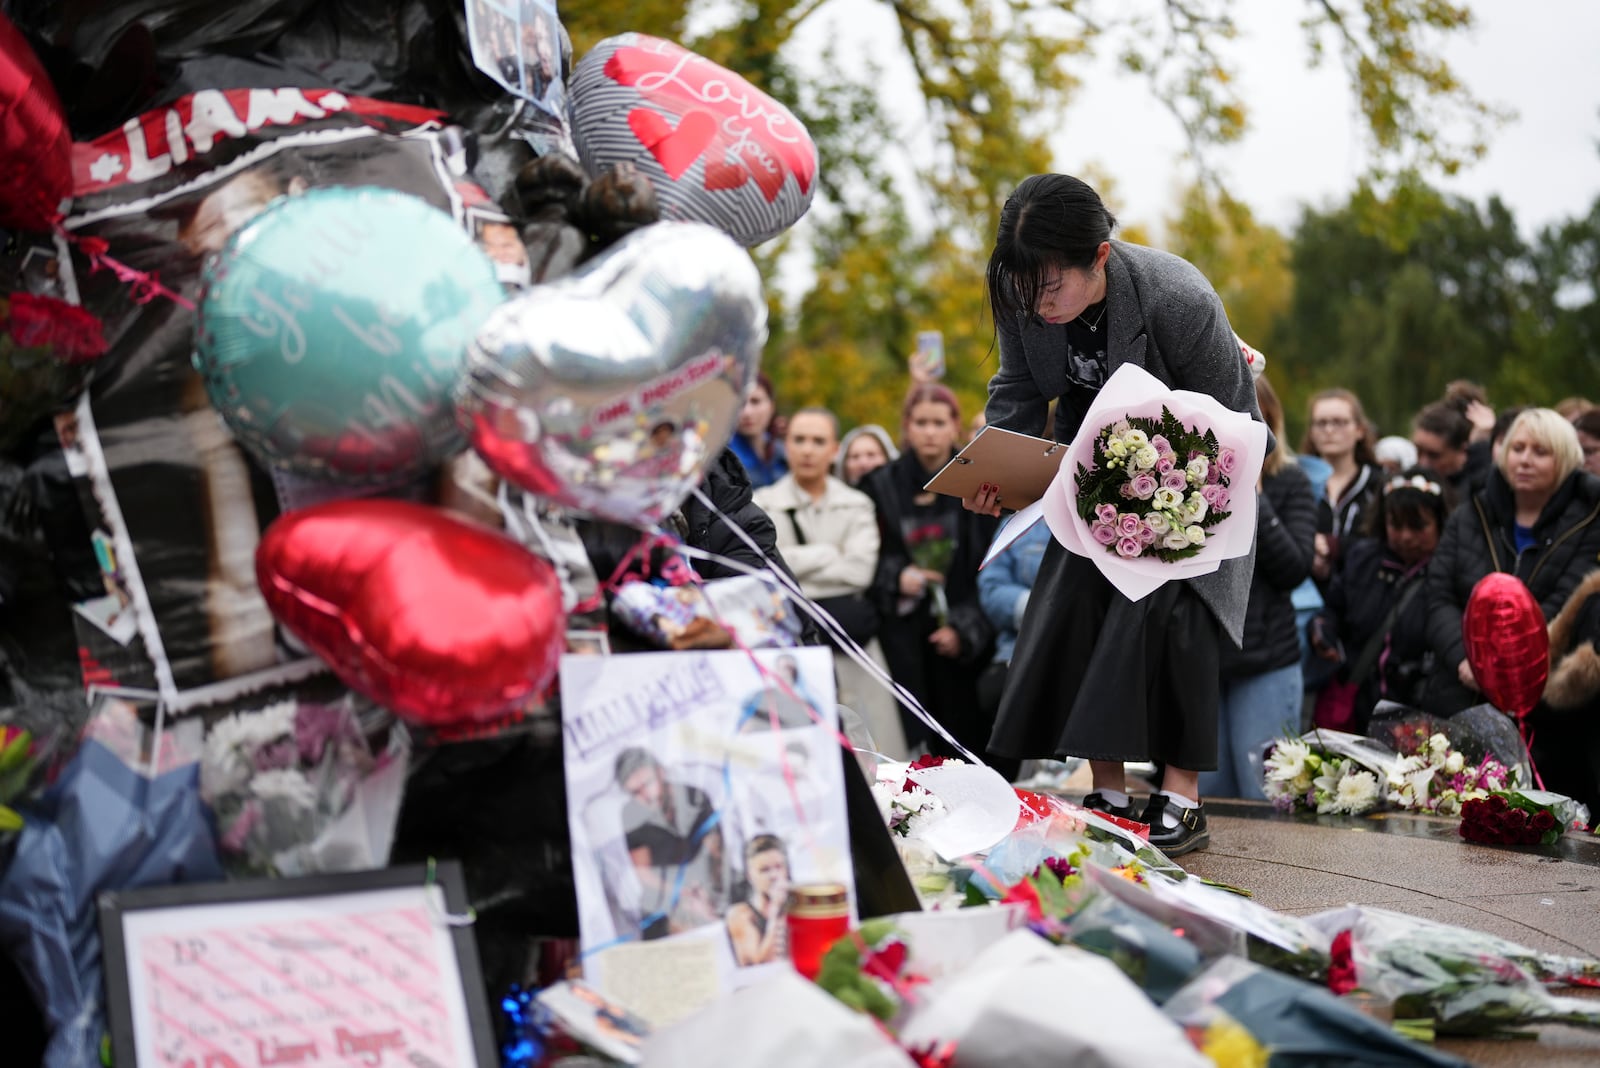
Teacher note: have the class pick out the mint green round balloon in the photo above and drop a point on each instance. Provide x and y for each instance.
(332, 329)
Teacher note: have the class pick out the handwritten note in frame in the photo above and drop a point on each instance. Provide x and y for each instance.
(351, 970)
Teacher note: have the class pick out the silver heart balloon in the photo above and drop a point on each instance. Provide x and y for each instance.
(610, 391)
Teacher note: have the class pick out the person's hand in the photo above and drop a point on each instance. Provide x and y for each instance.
(1321, 557)
(1468, 679)
(777, 900)
(987, 501)
(946, 641)
(932, 577)
(1481, 416)
(913, 580)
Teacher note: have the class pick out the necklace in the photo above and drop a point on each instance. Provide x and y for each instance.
(1098, 319)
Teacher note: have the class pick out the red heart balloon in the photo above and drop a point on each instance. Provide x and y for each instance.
(437, 619)
(1507, 643)
(35, 146)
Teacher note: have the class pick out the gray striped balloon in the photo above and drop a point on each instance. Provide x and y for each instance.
(719, 150)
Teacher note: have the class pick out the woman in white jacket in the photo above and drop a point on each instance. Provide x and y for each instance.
(828, 534)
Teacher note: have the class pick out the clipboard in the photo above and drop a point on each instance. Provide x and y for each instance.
(1020, 464)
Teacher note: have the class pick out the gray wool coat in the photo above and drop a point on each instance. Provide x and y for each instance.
(1161, 315)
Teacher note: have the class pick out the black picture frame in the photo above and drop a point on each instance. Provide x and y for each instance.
(116, 906)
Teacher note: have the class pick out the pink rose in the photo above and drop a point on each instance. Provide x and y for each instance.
(1104, 533)
(1142, 485)
(1128, 525)
(1146, 535)
(1166, 464)
(1129, 547)
(1174, 480)
(1161, 444)
(1106, 513)
(1226, 460)
(1215, 495)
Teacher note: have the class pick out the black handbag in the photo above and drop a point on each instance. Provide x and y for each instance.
(857, 615)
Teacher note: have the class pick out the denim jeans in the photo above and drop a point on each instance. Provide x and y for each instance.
(1256, 709)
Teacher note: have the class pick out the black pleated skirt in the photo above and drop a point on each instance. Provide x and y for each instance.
(1098, 676)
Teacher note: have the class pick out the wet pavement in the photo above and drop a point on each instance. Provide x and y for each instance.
(1549, 900)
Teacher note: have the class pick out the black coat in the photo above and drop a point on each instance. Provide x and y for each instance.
(1286, 527)
(1360, 597)
(1348, 520)
(1478, 539)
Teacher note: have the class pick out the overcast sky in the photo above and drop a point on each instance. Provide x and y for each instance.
(1540, 58)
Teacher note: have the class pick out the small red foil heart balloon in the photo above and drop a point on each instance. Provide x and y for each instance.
(437, 619)
(1507, 643)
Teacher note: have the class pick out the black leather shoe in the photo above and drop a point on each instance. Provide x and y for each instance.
(1096, 802)
(1190, 834)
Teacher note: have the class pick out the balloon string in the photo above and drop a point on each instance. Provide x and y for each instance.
(1527, 742)
(828, 624)
(144, 287)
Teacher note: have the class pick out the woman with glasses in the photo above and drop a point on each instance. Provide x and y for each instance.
(1339, 434)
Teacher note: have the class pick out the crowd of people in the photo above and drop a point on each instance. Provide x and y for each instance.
(1367, 550)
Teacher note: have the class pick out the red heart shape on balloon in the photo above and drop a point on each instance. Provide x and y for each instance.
(676, 150)
(439, 620)
(1507, 644)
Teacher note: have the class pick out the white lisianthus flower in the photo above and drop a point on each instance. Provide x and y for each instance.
(1174, 540)
(1144, 457)
(1357, 792)
(1197, 469)
(1158, 522)
(1194, 535)
(1137, 439)
(1197, 505)
(1454, 762)
(1166, 500)
(1117, 449)
(1448, 804)
(1402, 794)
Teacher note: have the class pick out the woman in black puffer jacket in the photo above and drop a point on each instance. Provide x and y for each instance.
(1261, 682)
(1538, 518)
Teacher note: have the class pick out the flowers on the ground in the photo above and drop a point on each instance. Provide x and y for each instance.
(1437, 777)
(1301, 777)
(1156, 487)
(902, 803)
(1513, 817)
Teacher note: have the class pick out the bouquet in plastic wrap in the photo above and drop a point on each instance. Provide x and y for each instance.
(1239, 1013)
(296, 789)
(1521, 817)
(124, 812)
(1453, 980)
(1158, 484)
(1326, 772)
(1446, 762)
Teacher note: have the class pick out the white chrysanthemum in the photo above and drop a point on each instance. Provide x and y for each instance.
(1357, 792)
(913, 800)
(1287, 761)
(883, 794)
(228, 756)
(286, 785)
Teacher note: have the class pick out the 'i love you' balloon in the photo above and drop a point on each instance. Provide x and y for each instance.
(718, 149)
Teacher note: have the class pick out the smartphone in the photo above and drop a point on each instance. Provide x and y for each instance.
(930, 353)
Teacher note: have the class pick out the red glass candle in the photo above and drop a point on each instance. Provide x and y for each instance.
(819, 915)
